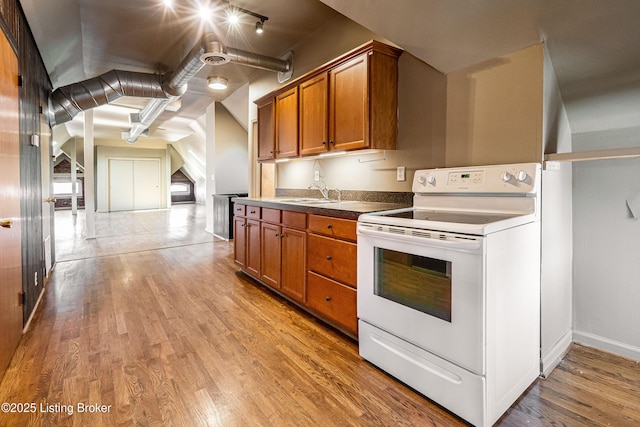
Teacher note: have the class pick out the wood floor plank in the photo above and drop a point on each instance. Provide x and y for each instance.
(171, 334)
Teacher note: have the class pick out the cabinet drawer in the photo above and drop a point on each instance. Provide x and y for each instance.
(333, 300)
(239, 210)
(294, 219)
(334, 227)
(333, 258)
(271, 215)
(253, 212)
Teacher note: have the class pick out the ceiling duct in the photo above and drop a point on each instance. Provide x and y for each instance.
(67, 101)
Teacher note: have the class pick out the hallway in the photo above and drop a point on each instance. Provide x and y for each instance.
(154, 327)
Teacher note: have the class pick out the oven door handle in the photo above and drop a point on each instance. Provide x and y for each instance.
(471, 244)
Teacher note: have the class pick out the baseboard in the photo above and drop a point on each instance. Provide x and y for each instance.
(33, 312)
(550, 360)
(606, 344)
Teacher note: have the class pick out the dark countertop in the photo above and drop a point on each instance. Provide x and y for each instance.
(350, 209)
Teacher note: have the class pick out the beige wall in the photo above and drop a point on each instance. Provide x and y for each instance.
(106, 150)
(494, 111)
(490, 113)
(230, 158)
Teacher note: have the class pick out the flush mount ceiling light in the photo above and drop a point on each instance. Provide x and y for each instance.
(217, 83)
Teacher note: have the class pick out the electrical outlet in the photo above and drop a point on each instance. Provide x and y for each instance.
(400, 173)
(316, 176)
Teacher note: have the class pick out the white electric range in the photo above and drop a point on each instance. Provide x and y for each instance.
(449, 290)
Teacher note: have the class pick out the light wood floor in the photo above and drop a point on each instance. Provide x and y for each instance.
(174, 336)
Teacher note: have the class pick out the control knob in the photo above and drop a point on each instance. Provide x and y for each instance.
(431, 179)
(506, 176)
(422, 180)
(522, 176)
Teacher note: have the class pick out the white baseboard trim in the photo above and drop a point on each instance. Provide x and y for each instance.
(33, 312)
(549, 361)
(606, 344)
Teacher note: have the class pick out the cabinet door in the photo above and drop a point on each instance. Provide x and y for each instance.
(239, 241)
(294, 248)
(266, 131)
(287, 124)
(349, 105)
(270, 254)
(252, 229)
(314, 115)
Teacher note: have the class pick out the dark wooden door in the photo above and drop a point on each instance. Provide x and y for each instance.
(239, 241)
(10, 235)
(252, 230)
(266, 131)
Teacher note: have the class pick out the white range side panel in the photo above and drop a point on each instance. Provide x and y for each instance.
(513, 315)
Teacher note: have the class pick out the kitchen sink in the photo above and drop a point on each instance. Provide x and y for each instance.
(305, 201)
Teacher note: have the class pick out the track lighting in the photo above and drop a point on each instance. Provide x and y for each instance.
(259, 29)
(217, 83)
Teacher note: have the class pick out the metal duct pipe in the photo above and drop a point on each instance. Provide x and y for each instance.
(67, 101)
(217, 54)
(175, 86)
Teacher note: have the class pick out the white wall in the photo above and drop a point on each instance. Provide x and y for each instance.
(606, 246)
(230, 159)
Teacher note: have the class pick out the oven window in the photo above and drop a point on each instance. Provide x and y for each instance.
(414, 281)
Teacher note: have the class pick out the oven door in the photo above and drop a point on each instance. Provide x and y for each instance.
(426, 288)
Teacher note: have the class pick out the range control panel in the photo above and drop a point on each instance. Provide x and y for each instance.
(512, 178)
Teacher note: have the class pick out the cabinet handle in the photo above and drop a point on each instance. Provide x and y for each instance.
(271, 152)
(281, 235)
(328, 257)
(277, 234)
(241, 225)
(252, 212)
(6, 223)
(327, 298)
(329, 226)
(324, 142)
(331, 142)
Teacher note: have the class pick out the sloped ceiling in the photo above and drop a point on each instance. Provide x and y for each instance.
(593, 44)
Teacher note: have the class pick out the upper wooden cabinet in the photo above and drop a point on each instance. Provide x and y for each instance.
(287, 124)
(266, 130)
(347, 104)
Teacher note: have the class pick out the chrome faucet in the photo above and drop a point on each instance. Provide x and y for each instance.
(324, 191)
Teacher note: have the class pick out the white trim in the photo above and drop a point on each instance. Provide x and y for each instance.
(35, 308)
(549, 361)
(606, 344)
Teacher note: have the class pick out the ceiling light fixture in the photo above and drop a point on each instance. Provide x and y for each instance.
(259, 28)
(168, 3)
(217, 83)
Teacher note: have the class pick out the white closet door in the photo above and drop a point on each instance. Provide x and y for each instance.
(121, 195)
(146, 184)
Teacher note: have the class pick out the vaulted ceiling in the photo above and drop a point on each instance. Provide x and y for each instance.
(594, 45)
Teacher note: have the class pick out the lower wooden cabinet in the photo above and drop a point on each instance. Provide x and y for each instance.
(333, 300)
(314, 266)
(252, 258)
(294, 266)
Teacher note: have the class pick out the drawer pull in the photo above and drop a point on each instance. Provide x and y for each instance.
(329, 226)
(327, 298)
(252, 212)
(277, 234)
(328, 257)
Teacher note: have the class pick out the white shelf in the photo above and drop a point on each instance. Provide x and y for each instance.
(585, 156)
